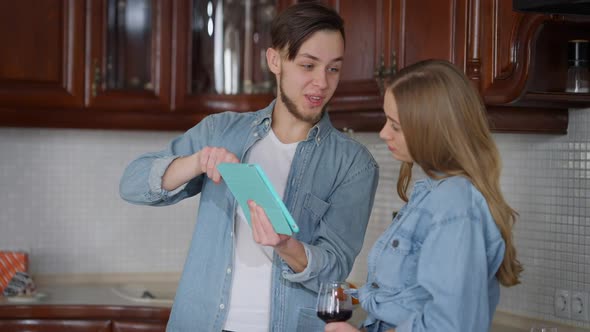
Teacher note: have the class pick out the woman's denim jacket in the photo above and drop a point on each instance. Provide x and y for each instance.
(434, 268)
(330, 193)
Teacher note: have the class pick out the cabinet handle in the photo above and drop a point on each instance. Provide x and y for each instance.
(393, 69)
(97, 77)
(381, 69)
(384, 74)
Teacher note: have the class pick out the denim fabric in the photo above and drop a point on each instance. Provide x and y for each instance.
(330, 192)
(434, 268)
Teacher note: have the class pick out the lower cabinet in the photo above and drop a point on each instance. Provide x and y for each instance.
(56, 325)
(138, 327)
(55, 318)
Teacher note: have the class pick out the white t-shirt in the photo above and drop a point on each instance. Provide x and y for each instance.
(249, 305)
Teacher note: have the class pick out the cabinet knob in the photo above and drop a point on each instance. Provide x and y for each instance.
(379, 71)
(383, 74)
(97, 78)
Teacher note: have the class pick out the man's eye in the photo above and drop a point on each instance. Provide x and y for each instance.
(307, 66)
(334, 70)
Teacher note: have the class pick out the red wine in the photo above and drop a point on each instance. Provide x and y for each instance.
(330, 317)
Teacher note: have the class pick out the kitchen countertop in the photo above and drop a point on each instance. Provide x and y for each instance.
(89, 294)
(502, 322)
(108, 295)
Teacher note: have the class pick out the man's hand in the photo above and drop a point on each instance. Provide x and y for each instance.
(289, 248)
(262, 230)
(208, 159)
(183, 169)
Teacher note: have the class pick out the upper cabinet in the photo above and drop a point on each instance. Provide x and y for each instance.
(128, 54)
(41, 60)
(383, 36)
(166, 64)
(220, 55)
(524, 66)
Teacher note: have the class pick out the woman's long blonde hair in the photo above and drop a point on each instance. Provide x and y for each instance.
(444, 122)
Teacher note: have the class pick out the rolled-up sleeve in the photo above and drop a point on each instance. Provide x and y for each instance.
(141, 182)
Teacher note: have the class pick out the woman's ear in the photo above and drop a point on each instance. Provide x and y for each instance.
(273, 59)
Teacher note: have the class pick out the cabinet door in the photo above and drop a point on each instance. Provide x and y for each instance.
(120, 326)
(54, 325)
(526, 57)
(219, 55)
(430, 29)
(501, 28)
(41, 57)
(385, 35)
(366, 30)
(128, 56)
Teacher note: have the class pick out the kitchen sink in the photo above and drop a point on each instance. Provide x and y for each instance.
(148, 293)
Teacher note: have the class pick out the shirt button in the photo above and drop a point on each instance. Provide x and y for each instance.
(222, 306)
(395, 243)
(255, 134)
(374, 285)
(231, 234)
(228, 270)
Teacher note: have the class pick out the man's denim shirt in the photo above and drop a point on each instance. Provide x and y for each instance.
(434, 268)
(330, 192)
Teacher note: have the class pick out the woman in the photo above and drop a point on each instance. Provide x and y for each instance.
(439, 264)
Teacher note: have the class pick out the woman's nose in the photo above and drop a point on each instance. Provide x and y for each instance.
(384, 133)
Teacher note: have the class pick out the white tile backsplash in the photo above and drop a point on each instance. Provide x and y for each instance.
(59, 199)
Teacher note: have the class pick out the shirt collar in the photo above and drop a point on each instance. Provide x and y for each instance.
(318, 132)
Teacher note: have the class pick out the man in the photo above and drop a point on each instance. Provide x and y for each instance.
(238, 278)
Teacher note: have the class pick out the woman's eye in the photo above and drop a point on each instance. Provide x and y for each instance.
(334, 70)
(307, 66)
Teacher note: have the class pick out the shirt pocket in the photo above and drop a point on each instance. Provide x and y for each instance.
(308, 321)
(314, 208)
(398, 263)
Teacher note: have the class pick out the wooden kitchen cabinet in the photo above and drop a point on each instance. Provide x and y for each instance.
(219, 62)
(524, 56)
(383, 36)
(42, 55)
(128, 55)
(523, 59)
(54, 325)
(142, 64)
(136, 326)
(88, 64)
(83, 318)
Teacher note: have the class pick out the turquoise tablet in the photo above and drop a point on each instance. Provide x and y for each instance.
(248, 181)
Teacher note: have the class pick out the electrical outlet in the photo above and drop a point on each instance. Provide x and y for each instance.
(562, 303)
(579, 305)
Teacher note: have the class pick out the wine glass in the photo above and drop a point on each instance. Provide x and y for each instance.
(334, 302)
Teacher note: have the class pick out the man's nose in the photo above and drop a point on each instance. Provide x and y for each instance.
(321, 79)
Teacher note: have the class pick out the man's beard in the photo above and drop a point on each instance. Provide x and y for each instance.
(292, 108)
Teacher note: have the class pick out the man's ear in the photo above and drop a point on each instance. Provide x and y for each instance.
(273, 59)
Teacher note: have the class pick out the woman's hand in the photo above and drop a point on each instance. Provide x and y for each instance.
(340, 327)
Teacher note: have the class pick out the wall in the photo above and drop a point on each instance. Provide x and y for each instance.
(59, 199)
